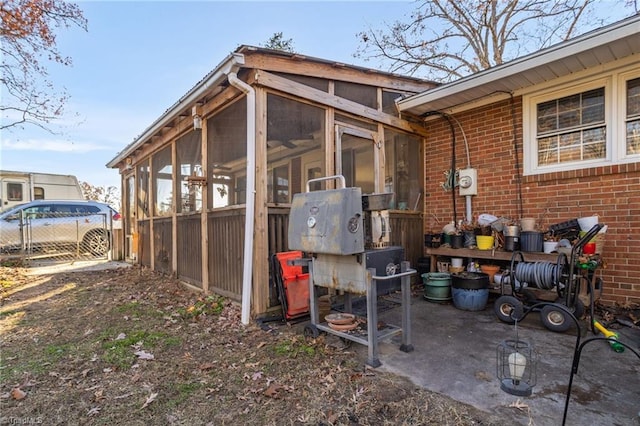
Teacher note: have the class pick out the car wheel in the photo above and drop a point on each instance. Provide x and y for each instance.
(97, 242)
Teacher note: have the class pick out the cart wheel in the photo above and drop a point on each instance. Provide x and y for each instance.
(311, 331)
(508, 309)
(577, 309)
(555, 319)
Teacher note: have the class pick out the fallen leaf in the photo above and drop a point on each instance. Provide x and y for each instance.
(143, 355)
(94, 411)
(149, 400)
(519, 405)
(207, 366)
(98, 395)
(257, 375)
(18, 394)
(273, 390)
(121, 336)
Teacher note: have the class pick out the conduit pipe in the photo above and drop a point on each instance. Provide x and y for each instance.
(247, 269)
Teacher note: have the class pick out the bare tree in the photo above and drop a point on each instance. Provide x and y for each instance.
(27, 41)
(108, 195)
(448, 39)
(277, 42)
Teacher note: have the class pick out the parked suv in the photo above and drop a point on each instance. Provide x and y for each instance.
(57, 224)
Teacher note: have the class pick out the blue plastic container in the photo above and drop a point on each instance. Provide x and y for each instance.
(470, 299)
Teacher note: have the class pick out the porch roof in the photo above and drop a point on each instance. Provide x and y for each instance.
(592, 49)
(235, 61)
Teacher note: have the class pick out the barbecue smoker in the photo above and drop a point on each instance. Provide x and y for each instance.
(347, 237)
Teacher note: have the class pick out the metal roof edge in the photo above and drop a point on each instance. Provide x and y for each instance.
(214, 77)
(550, 54)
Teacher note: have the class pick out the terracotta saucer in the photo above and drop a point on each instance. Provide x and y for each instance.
(343, 327)
(340, 318)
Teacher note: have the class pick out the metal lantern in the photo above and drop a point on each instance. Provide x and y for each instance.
(516, 363)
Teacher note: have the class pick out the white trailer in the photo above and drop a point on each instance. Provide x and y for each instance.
(21, 187)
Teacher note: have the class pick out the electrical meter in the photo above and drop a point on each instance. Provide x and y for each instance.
(468, 182)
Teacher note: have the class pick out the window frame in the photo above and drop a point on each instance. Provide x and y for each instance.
(614, 82)
(623, 79)
(530, 125)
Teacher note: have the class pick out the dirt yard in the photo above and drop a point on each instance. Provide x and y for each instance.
(128, 346)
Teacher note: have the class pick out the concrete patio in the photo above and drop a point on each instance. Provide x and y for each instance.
(455, 355)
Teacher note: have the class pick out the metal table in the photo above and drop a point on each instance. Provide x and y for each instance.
(373, 334)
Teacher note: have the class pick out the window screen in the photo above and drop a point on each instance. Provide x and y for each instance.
(571, 128)
(403, 159)
(189, 157)
(227, 150)
(162, 179)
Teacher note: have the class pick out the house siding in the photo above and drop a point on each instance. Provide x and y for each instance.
(612, 192)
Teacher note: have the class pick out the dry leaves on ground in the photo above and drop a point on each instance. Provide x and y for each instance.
(129, 346)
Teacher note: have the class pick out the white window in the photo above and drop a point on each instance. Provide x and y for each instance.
(590, 124)
(632, 122)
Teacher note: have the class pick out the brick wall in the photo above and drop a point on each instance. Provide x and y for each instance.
(612, 192)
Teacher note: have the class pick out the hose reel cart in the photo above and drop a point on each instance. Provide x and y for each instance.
(346, 236)
(565, 278)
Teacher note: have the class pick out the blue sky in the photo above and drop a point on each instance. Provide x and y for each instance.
(138, 58)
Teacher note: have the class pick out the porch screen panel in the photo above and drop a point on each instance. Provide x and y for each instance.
(227, 151)
(189, 158)
(161, 171)
(358, 163)
(190, 249)
(142, 209)
(360, 93)
(130, 206)
(162, 245)
(144, 242)
(403, 172)
(226, 251)
(295, 146)
(316, 83)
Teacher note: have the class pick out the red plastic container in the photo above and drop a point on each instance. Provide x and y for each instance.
(589, 248)
(295, 283)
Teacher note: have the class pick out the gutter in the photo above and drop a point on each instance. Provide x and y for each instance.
(214, 78)
(247, 270)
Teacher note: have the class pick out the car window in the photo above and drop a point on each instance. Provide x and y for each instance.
(41, 211)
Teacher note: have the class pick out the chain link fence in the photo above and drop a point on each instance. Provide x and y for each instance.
(57, 236)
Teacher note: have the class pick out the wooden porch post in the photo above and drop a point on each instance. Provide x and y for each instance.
(203, 214)
(261, 243)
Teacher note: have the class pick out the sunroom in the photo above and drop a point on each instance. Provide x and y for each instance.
(207, 187)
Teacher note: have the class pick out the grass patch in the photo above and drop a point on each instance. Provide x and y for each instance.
(120, 352)
(137, 309)
(209, 305)
(294, 348)
(184, 390)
